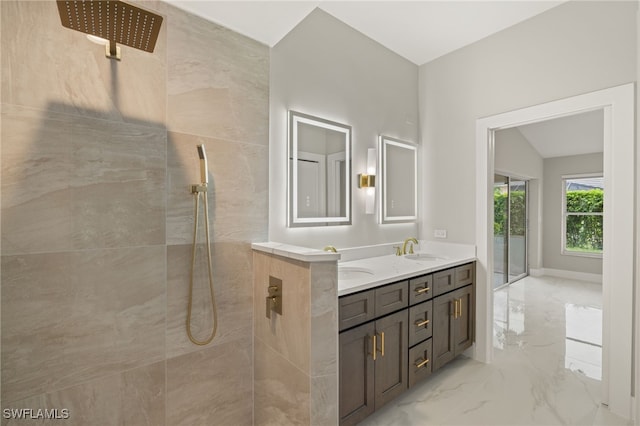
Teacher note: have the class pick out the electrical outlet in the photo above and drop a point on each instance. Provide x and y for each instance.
(440, 233)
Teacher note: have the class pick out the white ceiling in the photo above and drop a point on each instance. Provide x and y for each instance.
(420, 31)
(572, 135)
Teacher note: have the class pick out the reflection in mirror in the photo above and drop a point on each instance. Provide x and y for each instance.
(319, 171)
(399, 180)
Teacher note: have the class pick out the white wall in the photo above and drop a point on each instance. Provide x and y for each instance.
(327, 69)
(515, 157)
(554, 169)
(575, 48)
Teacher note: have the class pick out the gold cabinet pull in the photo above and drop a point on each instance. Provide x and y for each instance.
(422, 290)
(421, 323)
(460, 307)
(455, 309)
(375, 346)
(421, 364)
(382, 342)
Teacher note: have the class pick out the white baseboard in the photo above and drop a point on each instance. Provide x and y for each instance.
(572, 275)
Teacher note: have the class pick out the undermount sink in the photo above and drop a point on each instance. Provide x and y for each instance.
(352, 273)
(424, 257)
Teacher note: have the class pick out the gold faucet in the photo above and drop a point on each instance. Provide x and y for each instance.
(404, 245)
(330, 248)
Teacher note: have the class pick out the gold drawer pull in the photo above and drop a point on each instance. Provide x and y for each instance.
(422, 290)
(421, 364)
(421, 323)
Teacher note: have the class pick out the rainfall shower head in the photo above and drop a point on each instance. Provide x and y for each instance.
(204, 171)
(112, 20)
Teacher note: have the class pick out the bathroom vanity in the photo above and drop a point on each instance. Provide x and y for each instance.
(338, 335)
(394, 335)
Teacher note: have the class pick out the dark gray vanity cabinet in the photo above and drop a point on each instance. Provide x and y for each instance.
(394, 336)
(453, 325)
(373, 367)
(356, 374)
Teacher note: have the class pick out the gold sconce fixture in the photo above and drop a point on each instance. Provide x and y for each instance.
(366, 181)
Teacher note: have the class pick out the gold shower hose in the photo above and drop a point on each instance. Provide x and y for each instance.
(193, 265)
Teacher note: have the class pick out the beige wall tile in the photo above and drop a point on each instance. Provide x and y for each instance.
(324, 400)
(70, 182)
(238, 193)
(281, 389)
(324, 319)
(289, 333)
(232, 288)
(72, 317)
(211, 386)
(135, 397)
(218, 82)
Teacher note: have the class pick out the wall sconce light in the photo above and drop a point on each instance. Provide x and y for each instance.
(368, 181)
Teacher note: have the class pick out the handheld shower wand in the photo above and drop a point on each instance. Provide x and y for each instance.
(204, 170)
(197, 190)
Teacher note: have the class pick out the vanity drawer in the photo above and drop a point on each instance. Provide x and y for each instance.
(420, 319)
(444, 281)
(420, 289)
(420, 362)
(391, 298)
(356, 309)
(464, 275)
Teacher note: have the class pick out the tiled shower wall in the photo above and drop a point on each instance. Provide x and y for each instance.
(97, 217)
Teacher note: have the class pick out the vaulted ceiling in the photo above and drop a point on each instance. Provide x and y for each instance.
(420, 31)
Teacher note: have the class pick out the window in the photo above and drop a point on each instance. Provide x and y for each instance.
(582, 210)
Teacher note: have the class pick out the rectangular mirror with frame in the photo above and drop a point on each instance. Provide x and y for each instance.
(398, 180)
(319, 171)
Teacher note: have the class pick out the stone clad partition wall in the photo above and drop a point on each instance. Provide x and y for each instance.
(97, 217)
(296, 353)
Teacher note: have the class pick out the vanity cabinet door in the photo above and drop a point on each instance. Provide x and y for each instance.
(391, 298)
(443, 330)
(355, 309)
(356, 374)
(391, 360)
(420, 289)
(420, 322)
(444, 282)
(464, 324)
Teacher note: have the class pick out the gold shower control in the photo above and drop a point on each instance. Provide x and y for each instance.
(274, 299)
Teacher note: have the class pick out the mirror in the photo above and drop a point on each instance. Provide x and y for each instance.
(319, 172)
(399, 180)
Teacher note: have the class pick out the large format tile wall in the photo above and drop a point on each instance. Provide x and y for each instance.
(97, 217)
(296, 355)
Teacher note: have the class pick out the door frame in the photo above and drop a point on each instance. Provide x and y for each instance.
(619, 228)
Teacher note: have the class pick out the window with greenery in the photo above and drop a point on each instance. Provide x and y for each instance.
(583, 212)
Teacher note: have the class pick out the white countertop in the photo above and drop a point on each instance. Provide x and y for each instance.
(296, 252)
(375, 271)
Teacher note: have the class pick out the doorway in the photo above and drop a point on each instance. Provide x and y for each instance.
(510, 206)
(618, 104)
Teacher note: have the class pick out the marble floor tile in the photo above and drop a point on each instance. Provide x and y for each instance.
(547, 337)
